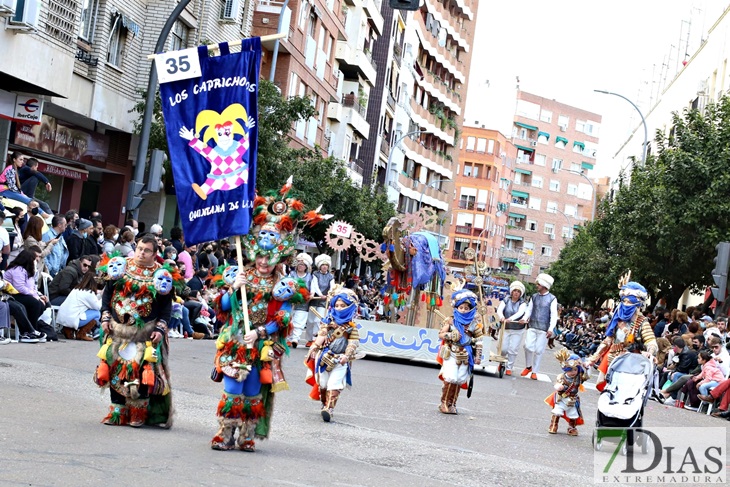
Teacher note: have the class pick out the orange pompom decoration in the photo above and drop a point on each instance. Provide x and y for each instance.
(265, 374)
(148, 376)
(102, 372)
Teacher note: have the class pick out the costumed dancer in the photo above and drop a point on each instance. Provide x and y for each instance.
(135, 310)
(565, 402)
(252, 374)
(628, 331)
(511, 312)
(461, 348)
(322, 281)
(542, 316)
(333, 351)
(302, 270)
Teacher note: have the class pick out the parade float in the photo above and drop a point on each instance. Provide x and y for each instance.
(417, 289)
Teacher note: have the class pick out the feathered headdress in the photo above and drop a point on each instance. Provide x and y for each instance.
(278, 217)
(569, 361)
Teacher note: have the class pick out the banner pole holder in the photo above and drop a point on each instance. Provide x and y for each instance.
(214, 47)
(244, 300)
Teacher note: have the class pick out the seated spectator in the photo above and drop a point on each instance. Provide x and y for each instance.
(709, 377)
(111, 234)
(81, 242)
(28, 334)
(21, 275)
(30, 176)
(125, 244)
(79, 314)
(57, 258)
(10, 181)
(16, 246)
(687, 358)
(4, 245)
(33, 236)
(721, 355)
(186, 258)
(66, 280)
(692, 330)
(156, 230)
(176, 239)
(698, 342)
(170, 253)
(197, 282)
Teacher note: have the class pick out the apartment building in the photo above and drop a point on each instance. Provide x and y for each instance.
(327, 56)
(79, 66)
(429, 96)
(482, 185)
(388, 56)
(552, 194)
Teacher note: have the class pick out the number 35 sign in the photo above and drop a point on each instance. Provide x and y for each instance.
(178, 65)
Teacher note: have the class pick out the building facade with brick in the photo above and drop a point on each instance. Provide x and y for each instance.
(482, 187)
(552, 194)
(86, 61)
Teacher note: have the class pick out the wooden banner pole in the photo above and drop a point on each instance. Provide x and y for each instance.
(244, 300)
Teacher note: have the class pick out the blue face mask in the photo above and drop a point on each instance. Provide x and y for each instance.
(343, 315)
(85, 235)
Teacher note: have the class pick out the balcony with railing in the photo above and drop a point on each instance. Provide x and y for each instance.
(372, 10)
(391, 101)
(397, 53)
(355, 114)
(356, 165)
(354, 61)
(385, 144)
(463, 229)
(458, 255)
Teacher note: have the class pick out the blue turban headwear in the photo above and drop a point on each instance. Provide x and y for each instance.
(346, 315)
(632, 297)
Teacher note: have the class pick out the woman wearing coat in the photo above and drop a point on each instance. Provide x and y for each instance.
(79, 314)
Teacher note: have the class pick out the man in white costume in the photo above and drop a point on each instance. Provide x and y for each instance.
(511, 312)
(542, 316)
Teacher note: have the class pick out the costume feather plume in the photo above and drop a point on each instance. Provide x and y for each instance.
(562, 355)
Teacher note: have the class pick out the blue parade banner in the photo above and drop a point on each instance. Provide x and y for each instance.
(211, 112)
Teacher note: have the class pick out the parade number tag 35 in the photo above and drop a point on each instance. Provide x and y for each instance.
(178, 65)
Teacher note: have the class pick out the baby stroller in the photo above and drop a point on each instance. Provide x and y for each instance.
(622, 402)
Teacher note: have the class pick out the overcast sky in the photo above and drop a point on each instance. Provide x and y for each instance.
(565, 49)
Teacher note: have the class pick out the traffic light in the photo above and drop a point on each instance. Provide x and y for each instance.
(157, 159)
(404, 4)
(719, 273)
(134, 197)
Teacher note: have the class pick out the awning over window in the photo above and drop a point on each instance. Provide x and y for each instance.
(509, 259)
(519, 216)
(576, 227)
(579, 144)
(524, 171)
(525, 126)
(512, 237)
(520, 194)
(561, 139)
(586, 165)
(129, 24)
(526, 149)
(543, 134)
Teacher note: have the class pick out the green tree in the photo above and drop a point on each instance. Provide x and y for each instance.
(664, 225)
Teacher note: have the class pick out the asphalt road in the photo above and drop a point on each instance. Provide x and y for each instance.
(387, 430)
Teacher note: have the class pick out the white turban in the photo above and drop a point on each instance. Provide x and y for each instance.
(545, 280)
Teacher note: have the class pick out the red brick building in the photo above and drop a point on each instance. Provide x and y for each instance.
(482, 184)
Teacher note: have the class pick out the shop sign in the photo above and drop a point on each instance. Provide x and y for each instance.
(65, 140)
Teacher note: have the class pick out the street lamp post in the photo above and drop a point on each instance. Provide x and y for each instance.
(643, 121)
(593, 189)
(570, 225)
(390, 155)
(420, 200)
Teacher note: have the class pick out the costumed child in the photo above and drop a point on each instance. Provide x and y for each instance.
(461, 348)
(564, 401)
(330, 356)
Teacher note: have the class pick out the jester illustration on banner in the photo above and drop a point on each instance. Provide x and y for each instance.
(211, 124)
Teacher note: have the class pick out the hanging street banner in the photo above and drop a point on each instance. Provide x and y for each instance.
(211, 112)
